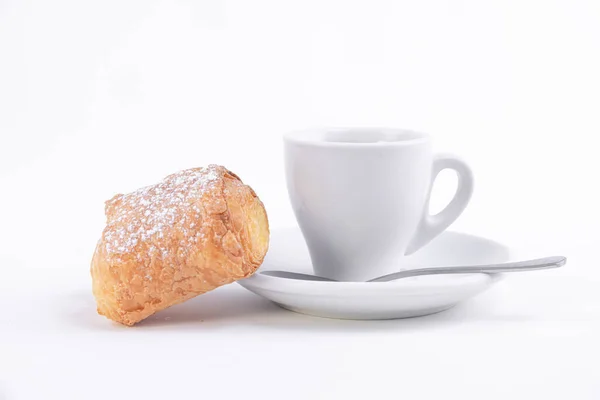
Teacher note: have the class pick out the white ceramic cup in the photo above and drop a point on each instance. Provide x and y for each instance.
(361, 197)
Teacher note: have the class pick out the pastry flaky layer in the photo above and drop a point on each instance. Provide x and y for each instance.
(196, 230)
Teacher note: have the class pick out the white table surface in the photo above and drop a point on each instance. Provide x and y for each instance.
(104, 97)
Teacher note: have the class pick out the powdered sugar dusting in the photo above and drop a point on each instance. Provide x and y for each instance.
(145, 217)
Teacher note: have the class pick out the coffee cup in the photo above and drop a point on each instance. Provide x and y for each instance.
(361, 197)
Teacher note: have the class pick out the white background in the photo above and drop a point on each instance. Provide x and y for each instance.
(100, 97)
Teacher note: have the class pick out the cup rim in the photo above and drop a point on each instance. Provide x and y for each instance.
(315, 137)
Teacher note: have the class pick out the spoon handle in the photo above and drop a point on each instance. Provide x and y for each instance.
(530, 265)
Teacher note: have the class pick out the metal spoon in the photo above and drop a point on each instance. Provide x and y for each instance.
(530, 265)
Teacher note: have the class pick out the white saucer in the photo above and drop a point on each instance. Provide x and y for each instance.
(409, 297)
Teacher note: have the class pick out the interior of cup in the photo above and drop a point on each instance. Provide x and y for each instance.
(356, 136)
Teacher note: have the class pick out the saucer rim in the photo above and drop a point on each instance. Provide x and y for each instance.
(396, 288)
(421, 285)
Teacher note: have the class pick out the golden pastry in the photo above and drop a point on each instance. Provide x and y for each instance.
(196, 230)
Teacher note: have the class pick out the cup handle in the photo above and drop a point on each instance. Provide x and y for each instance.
(432, 225)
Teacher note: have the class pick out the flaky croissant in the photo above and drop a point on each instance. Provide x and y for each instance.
(196, 230)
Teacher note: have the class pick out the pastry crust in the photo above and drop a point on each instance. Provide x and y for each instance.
(196, 230)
